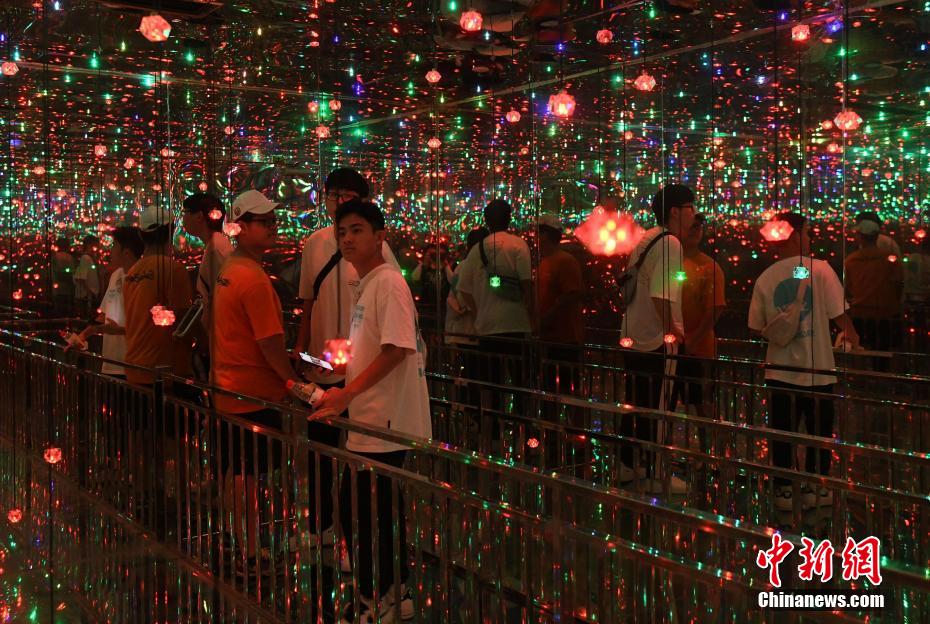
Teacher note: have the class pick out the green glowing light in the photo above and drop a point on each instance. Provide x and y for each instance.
(495, 281)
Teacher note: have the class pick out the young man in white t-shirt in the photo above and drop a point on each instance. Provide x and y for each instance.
(652, 326)
(327, 286)
(87, 278)
(385, 388)
(805, 364)
(127, 249)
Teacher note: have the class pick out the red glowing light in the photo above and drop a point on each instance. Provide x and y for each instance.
(834, 148)
(40, 170)
(626, 342)
(9, 68)
(471, 21)
(14, 516)
(512, 116)
(801, 32)
(18, 294)
(920, 234)
(562, 104)
(776, 231)
(52, 455)
(335, 105)
(162, 316)
(609, 233)
(100, 150)
(847, 120)
(322, 132)
(645, 82)
(129, 163)
(669, 338)
(202, 187)
(532, 443)
(214, 214)
(313, 107)
(826, 125)
(433, 76)
(229, 130)
(337, 351)
(155, 28)
(434, 143)
(604, 36)
(232, 229)
(892, 258)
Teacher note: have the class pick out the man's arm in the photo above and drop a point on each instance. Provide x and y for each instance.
(564, 301)
(664, 310)
(303, 334)
(336, 400)
(845, 325)
(275, 354)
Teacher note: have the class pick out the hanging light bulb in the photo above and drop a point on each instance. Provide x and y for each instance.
(512, 116)
(228, 130)
(100, 150)
(202, 187)
(604, 36)
(18, 294)
(14, 516)
(847, 120)
(470, 21)
(40, 170)
(562, 104)
(52, 455)
(776, 231)
(129, 163)
(215, 214)
(801, 32)
(645, 82)
(434, 143)
(9, 68)
(433, 76)
(335, 105)
(626, 342)
(155, 28)
(322, 132)
(313, 107)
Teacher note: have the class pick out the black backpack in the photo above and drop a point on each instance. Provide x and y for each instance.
(627, 280)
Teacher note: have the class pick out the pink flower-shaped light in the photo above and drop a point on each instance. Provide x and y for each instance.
(562, 104)
(322, 132)
(232, 229)
(433, 76)
(801, 32)
(512, 116)
(214, 215)
(645, 82)
(52, 455)
(608, 233)
(434, 143)
(604, 36)
(471, 21)
(162, 316)
(9, 68)
(100, 150)
(335, 105)
(155, 28)
(313, 107)
(774, 231)
(847, 120)
(129, 163)
(14, 516)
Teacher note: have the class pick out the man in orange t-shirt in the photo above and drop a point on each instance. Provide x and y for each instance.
(249, 357)
(703, 300)
(155, 280)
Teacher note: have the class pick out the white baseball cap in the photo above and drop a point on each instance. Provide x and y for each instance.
(153, 217)
(549, 220)
(251, 201)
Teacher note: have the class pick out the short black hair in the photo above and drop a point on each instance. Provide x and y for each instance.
(62, 243)
(497, 215)
(129, 238)
(206, 203)
(158, 236)
(868, 216)
(476, 236)
(871, 238)
(670, 196)
(795, 220)
(90, 240)
(367, 210)
(348, 180)
(551, 233)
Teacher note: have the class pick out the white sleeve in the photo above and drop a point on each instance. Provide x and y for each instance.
(522, 262)
(388, 255)
(834, 296)
(307, 274)
(397, 315)
(662, 282)
(467, 272)
(757, 320)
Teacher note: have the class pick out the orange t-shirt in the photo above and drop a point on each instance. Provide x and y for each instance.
(155, 280)
(702, 290)
(873, 284)
(559, 274)
(246, 309)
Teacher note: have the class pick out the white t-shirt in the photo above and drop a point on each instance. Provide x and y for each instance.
(114, 347)
(508, 256)
(812, 346)
(86, 271)
(458, 323)
(656, 280)
(385, 314)
(332, 312)
(214, 254)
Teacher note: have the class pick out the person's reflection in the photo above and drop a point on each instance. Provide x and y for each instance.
(874, 283)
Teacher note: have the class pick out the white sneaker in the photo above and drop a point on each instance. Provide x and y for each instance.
(784, 499)
(628, 474)
(676, 486)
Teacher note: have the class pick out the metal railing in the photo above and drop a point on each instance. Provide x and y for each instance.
(480, 538)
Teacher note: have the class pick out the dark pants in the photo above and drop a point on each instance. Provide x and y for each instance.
(790, 403)
(385, 519)
(646, 372)
(322, 433)
(558, 378)
(878, 334)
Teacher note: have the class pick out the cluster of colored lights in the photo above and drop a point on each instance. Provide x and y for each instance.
(337, 351)
(162, 316)
(608, 233)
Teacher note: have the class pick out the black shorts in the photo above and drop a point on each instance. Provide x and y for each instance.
(240, 447)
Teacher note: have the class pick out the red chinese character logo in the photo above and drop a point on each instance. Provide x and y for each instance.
(817, 561)
(772, 557)
(862, 559)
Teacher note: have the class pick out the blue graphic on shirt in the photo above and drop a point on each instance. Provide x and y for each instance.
(785, 294)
